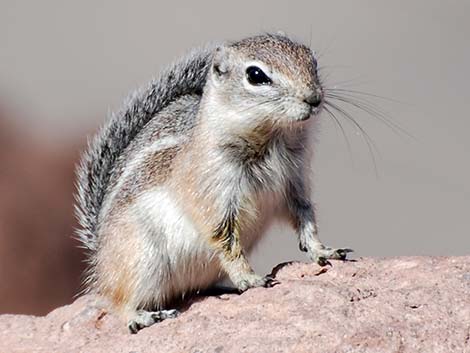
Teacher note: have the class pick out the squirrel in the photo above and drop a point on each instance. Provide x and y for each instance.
(182, 182)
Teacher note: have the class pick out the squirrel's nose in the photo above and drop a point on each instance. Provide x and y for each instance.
(314, 99)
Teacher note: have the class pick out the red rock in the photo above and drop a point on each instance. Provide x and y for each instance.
(412, 304)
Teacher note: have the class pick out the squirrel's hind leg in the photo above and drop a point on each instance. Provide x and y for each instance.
(132, 272)
(145, 318)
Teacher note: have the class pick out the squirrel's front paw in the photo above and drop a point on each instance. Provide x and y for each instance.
(321, 255)
(252, 280)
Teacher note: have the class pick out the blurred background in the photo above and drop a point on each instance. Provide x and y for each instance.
(64, 65)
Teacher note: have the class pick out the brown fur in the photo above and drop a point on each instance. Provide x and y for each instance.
(291, 58)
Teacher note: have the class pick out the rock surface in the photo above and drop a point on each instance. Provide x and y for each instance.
(412, 304)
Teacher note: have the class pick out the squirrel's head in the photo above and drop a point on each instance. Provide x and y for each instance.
(265, 79)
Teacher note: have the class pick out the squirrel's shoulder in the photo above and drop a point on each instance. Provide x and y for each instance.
(177, 119)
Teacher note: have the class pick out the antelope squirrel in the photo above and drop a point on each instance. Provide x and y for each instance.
(181, 184)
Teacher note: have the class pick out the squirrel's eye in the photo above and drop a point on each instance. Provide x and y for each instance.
(257, 77)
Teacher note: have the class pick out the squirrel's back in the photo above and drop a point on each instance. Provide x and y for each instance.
(187, 76)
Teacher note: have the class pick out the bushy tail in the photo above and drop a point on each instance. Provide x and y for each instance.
(186, 76)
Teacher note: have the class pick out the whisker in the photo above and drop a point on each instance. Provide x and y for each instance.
(311, 35)
(324, 77)
(357, 80)
(362, 93)
(267, 101)
(371, 110)
(366, 107)
(338, 124)
(371, 145)
(328, 67)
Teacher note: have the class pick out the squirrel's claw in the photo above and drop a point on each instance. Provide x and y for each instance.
(270, 281)
(148, 318)
(322, 256)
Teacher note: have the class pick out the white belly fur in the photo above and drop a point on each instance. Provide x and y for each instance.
(180, 259)
(177, 258)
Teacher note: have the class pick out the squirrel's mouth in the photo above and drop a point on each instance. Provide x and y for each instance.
(305, 117)
(311, 112)
(316, 110)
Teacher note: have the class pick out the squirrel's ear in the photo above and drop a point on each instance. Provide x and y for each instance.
(220, 64)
